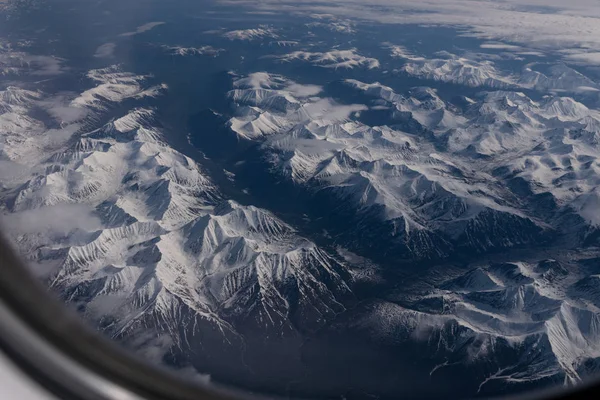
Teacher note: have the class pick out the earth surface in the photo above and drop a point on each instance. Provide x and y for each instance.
(316, 199)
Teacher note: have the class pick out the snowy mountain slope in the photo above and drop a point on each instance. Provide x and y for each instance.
(15, 62)
(550, 144)
(155, 247)
(409, 184)
(498, 139)
(384, 172)
(474, 72)
(559, 77)
(22, 131)
(193, 51)
(477, 317)
(452, 68)
(449, 178)
(335, 59)
(114, 86)
(271, 103)
(252, 34)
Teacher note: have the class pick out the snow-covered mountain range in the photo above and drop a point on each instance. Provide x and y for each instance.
(137, 237)
(251, 34)
(443, 176)
(333, 59)
(432, 178)
(478, 70)
(350, 236)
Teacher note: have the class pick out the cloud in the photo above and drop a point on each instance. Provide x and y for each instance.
(341, 26)
(59, 108)
(152, 347)
(541, 25)
(584, 89)
(585, 58)
(11, 171)
(328, 110)
(298, 90)
(105, 51)
(142, 28)
(19, 62)
(44, 65)
(51, 221)
(500, 46)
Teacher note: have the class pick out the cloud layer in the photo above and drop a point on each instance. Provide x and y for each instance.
(546, 25)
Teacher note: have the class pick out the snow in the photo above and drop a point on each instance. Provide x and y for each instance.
(457, 70)
(251, 34)
(496, 305)
(470, 71)
(143, 28)
(193, 51)
(315, 142)
(122, 224)
(333, 59)
(114, 86)
(135, 232)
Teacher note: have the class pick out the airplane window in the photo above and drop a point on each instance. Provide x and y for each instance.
(301, 199)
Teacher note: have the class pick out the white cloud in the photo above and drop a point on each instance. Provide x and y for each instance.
(542, 25)
(328, 110)
(51, 221)
(341, 26)
(499, 46)
(264, 80)
(19, 62)
(585, 58)
(304, 90)
(59, 108)
(260, 80)
(142, 28)
(44, 65)
(11, 171)
(582, 89)
(105, 51)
